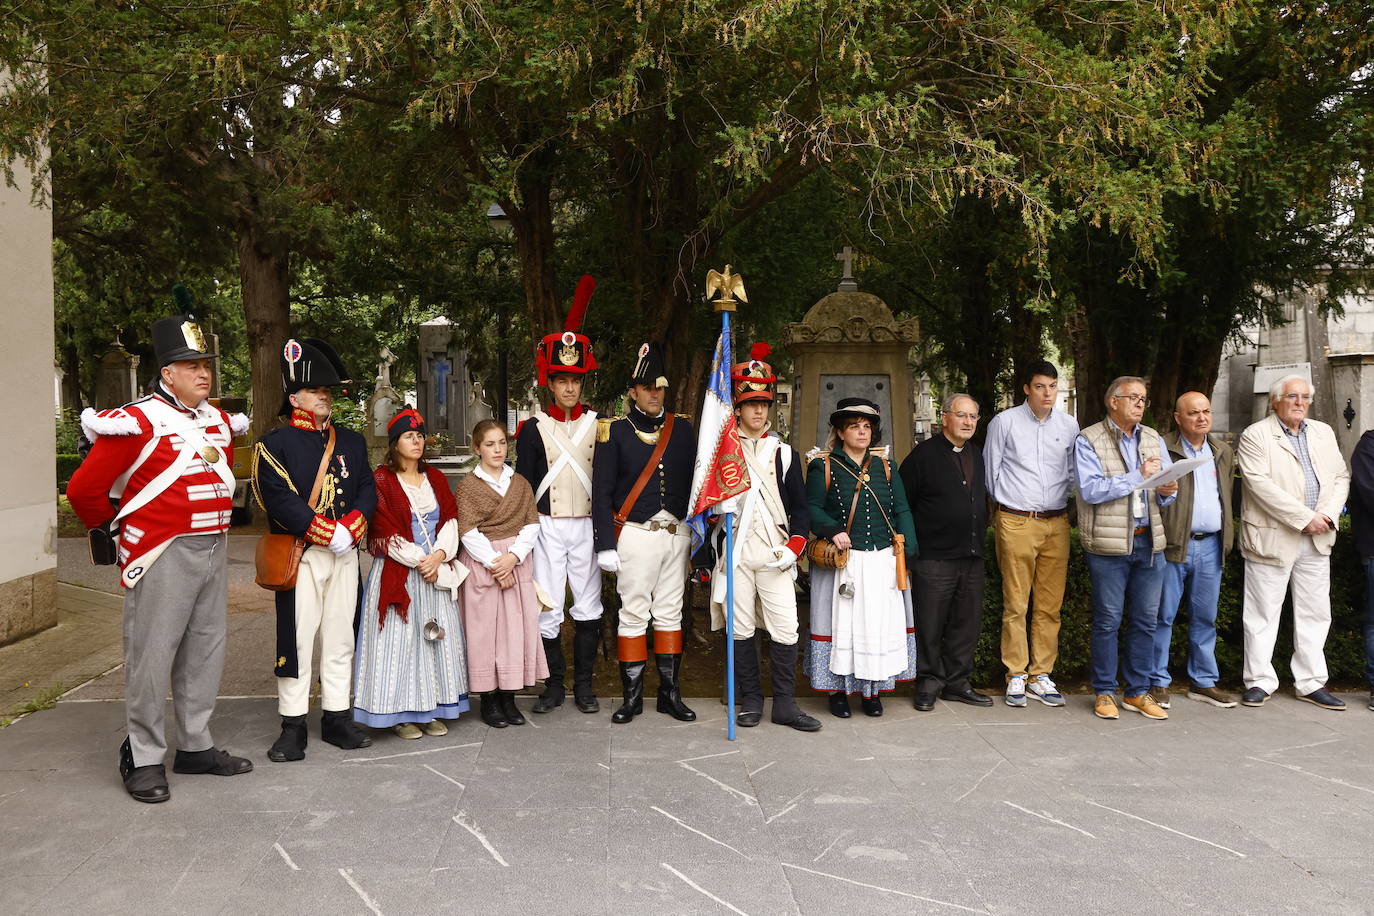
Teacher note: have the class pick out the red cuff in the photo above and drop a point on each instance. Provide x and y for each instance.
(321, 531)
(796, 543)
(356, 524)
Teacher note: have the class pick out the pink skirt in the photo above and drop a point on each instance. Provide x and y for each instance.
(501, 627)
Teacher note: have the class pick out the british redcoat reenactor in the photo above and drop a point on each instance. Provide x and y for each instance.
(553, 451)
(157, 489)
(286, 463)
(771, 521)
(641, 481)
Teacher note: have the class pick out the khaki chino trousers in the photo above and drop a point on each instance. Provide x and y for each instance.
(1033, 555)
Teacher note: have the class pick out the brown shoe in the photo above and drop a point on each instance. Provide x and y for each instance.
(1212, 695)
(1105, 706)
(1146, 706)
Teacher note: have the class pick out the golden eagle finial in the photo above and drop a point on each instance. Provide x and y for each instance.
(725, 288)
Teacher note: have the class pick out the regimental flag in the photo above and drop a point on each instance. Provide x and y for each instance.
(720, 471)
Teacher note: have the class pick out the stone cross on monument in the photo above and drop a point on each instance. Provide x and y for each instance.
(847, 282)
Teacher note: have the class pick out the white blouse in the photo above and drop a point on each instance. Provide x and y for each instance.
(479, 545)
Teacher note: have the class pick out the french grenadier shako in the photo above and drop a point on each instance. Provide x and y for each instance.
(771, 521)
(640, 486)
(157, 490)
(554, 453)
(286, 465)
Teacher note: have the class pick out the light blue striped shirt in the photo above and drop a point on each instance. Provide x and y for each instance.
(1029, 462)
(1206, 496)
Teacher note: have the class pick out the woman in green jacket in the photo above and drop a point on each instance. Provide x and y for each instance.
(862, 638)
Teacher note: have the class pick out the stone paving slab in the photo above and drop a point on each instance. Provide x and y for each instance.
(958, 810)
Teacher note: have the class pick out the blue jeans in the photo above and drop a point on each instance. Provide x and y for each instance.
(1200, 576)
(1133, 580)
(1369, 622)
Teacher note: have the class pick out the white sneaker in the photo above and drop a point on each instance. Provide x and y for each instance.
(1016, 691)
(1043, 689)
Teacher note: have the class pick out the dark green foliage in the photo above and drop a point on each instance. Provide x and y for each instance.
(66, 467)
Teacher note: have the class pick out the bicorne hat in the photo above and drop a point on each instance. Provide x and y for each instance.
(568, 350)
(649, 369)
(309, 363)
(754, 380)
(179, 337)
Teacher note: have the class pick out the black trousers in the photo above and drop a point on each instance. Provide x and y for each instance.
(947, 601)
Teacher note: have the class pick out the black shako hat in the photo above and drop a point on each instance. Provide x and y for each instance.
(309, 363)
(179, 337)
(649, 369)
(858, 408)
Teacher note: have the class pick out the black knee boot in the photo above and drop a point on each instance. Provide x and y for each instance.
(338, 729)
(783, 660)
(632, 682)
(586, 640)
(669, 693)
(554, 689)
(748, 690)
(291, 744)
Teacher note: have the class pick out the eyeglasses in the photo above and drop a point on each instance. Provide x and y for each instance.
(963, 416)
(1298, 396)
(1133, 398)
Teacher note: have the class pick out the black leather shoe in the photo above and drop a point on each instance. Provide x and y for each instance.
(1255, 696)
(211, 760)
(509, 709)
(966, 695)
(491, 710)
(872, 706)
(925, 702)
(290, 745)
(748, 718)
(839, 706)
(147, 784)
(1323, 698)
(339, 729)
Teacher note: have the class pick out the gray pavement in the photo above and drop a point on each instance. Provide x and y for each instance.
(959, 810)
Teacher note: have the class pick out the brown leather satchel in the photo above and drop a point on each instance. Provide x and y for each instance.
(278, 556)
(621, 517)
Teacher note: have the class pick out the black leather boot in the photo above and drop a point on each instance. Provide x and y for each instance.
(669, 696)
(632, 682)
(586, 640)
(338, 729)
(554, 689)
(748, 690)
(491, 710)
(291, 744)
(146, 783)
(509, 709)
(783, 661)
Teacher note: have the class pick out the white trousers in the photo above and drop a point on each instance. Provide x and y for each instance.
(563, 560)
(326, 599)
(761, 594)
(652, 579)
(1310, 580)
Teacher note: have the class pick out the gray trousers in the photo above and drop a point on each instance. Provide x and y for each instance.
(175, 621)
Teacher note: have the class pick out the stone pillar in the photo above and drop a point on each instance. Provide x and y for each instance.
(116, 381)
(1351, 380)
(28, 467)
(849, 345)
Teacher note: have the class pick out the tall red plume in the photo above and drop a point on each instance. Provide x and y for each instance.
(760, 350)
(585, 287)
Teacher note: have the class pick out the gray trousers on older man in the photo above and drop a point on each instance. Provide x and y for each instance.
(175, 620)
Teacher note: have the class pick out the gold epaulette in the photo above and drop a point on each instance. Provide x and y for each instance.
(603, 428)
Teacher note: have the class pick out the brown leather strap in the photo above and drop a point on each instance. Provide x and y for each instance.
(324, 465)
(660, 447)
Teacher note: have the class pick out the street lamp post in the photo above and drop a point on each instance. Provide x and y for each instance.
(496, 216)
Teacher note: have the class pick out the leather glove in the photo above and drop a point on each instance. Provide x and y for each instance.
(342, 541)
(785, 559)
(608, 560)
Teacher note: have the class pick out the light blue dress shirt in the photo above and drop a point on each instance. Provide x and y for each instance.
(1029, 462)
(1206, 496)
(1098, 488)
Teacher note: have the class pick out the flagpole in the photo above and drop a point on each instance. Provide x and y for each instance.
(728, 520)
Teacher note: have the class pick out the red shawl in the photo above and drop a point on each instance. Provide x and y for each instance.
(393, 518)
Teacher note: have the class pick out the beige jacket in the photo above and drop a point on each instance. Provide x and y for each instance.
(1272, 513)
